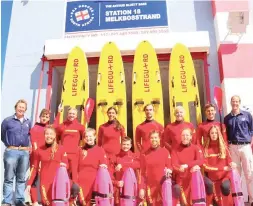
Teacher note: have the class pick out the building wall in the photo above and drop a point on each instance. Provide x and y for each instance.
(27, 36)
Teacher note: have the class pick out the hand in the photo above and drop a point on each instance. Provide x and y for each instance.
(60, 108)
(142, 193)
(120, 183)
(195, 168)
(118, 167)
(233, 165)
(183, 167)
(227, 168)
(168, 172)
(103, 165)
(63, 164)
(28, 189)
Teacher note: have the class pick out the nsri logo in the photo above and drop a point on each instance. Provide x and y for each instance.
(82, 15)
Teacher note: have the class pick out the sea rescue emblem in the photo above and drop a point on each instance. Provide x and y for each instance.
(82, 16)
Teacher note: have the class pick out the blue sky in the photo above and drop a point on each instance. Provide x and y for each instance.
(6, 7)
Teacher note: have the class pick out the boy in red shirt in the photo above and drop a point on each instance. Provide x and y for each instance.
(204, 127)
(38, 140)
(143, 130)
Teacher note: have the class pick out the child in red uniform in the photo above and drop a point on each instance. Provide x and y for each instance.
(125, 159)
(153, 165)
(143, 130)
(51, 156)
(217, 164)
(89, 159)
(37, 135)
(186, 158)
(172, 132)
(204, 127)
(70, 133)
(110, 135)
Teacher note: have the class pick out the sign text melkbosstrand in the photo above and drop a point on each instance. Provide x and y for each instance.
(101, 15)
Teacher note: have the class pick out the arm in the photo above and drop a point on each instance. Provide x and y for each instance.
(33, 140)
(56, 122)
(138, 138)
(143, 175)
(64, 158)
(74, 168)
(224, 133)
(100, 136)
(34, 168)
(135, 164)
(194, 137)
(122, 132)
(175, 163)
(3, 132)
(210, 168)
(103, 158)
(199, 158)
(199, 136)
(251, 128)
(167, 139)
(162, 136)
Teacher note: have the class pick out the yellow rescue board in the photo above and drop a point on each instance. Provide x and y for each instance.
(146, 85)
(75, 89)
(183, 85)
(111, 86)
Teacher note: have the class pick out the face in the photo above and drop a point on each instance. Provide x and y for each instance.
(126, 146)
(111, 114)
(155, 140)
(210, 113)
(90, 138)
(20, 109)
(235, 103)
(50, 136)
(179, 114)
(72, 114)
(149, 112)
(213, 134)
(44, 118)
(186, 137)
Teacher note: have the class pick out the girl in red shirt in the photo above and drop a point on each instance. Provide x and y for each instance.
(51, 156)
(89, 159)
(217, 165)
(186, 158)
(155, 163)
(109, 137)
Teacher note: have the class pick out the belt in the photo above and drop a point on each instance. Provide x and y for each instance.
(238, 143)
(20, 148)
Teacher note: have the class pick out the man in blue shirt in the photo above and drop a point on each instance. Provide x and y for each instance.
(15, 136)
(239, 126)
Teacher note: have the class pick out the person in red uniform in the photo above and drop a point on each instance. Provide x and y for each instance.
(51, 156)
(110, 135)
(125, 159)
(90, 158)
(172, 132)
(155, 165)
(217, 164)
(143, 130)
(204, 127)
(70, 134)
(186, 158)
(37, 136)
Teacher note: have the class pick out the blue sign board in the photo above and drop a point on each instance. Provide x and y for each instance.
(105, 15)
